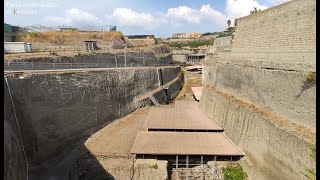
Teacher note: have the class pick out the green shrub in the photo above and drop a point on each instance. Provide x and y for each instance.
(154, 166)
(310, 172)
(122, 36)
(310, 78)
(33, 34)
(224, 35)
(53, 53)
(234, 173)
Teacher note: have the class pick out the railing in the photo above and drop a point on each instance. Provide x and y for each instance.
(154, 100)
(21, 66)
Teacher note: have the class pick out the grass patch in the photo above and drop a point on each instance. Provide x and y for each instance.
(234, 173)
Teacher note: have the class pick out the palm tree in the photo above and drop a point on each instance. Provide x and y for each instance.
(229, 22)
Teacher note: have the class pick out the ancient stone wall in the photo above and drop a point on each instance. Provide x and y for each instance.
(259, 90)
(286, 31)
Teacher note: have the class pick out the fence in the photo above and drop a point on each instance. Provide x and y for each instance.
(21, 66)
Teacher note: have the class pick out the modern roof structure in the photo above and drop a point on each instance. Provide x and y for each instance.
(185, 116)
(194, 67)
(197, 91)
(184, 143)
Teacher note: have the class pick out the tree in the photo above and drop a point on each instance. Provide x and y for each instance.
(229, 22)
(231, 29)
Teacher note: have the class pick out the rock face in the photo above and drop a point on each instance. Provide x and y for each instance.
(118, 44)
(14, 161)
(282, 91)
(145, 57)
(273, 151)
(58, 111)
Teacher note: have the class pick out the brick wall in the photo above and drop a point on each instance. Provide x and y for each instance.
(289, 27)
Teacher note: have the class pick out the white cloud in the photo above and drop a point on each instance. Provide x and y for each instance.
(128, 17)
(239, 8)
(75, 16)
(177, 17)
(213, 15)
(277, 2)
(183, 13)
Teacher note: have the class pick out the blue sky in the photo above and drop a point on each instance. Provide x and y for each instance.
(158, 17)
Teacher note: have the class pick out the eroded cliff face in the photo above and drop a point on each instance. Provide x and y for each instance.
(280, 90)
(266, 112)
(15, 166)
(58, 111)
(159, 54)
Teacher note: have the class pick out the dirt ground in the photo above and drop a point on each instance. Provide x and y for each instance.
(192, 79)
(111, 145)
(118, 137)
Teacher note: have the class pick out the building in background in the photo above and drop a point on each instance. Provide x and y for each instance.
(187, 35)
(7, 35)
(10, 32)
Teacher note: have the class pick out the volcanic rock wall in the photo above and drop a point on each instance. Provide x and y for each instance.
(58, 111)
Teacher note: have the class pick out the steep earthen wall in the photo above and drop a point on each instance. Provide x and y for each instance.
(272, 152)
(58, 111)
(15, 166)
(281, 91)
(104, 58)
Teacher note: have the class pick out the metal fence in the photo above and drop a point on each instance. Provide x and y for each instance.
(22, 66)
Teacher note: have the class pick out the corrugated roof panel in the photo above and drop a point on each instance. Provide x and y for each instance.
(197, 91)
(7, 27)
(185, 116)
(184, 143)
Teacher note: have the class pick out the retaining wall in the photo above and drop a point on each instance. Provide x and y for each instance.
(280, 30)
(258, 93)
(145, 58)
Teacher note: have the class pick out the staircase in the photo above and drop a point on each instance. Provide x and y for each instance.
(154, 100)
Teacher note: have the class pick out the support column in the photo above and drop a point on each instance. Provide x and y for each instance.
(177, 162)
(187, 166)
(202, 177)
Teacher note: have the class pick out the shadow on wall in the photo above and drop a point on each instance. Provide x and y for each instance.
(87, 167)
(55, 120)
(79, 164)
